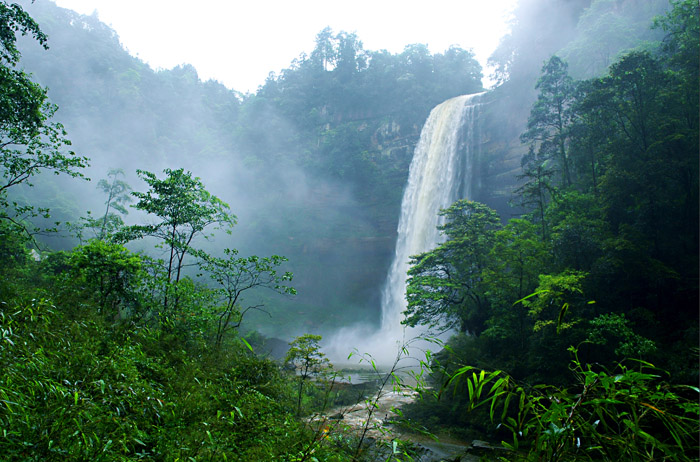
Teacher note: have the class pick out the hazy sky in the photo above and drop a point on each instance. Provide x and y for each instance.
(239, 42)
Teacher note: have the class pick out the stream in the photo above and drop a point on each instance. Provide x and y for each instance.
(380, 412)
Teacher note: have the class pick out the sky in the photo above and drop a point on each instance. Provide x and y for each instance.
(239, 43)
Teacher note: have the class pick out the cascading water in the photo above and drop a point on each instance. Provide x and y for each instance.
(440, 173)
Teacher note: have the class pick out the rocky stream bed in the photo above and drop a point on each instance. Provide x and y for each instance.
(372, 420)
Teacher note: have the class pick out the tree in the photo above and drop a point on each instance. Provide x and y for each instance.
(590, 132)
(445, 284)
(185, 210)
(110, 223)
(682, 25)
(457, 69)
(350, 57)
(645, 153)
(29, 142)
(605, 30)
(324, 54)
(578, 231)
(237, 276)
(537, 190)
(306, 357)
(14, 19)
(551, 117)
(106, 272)
(517, 256)
(648, 188)
(117, 194)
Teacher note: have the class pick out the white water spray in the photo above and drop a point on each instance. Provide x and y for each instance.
(440, 173)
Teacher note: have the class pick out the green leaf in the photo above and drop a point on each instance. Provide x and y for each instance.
(562, 313)
(245, 342)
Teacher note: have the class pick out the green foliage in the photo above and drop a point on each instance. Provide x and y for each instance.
(14, 20)
(606, 30)
(517, 256)
(553, 298)
(107, 275)
(340, 78)
(117, 192)
(614, 328)
(444, 286)
(76, 389)
(237, 276)
(308, 361)
(15, 257)
(626, 414)
(29, 142)
(185, 209)
(58, 401)
(24, 153)
(550, 117)
(682, 26)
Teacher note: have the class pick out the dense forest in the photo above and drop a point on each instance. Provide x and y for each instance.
(137, 310)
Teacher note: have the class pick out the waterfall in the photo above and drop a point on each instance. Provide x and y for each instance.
(440, 173)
